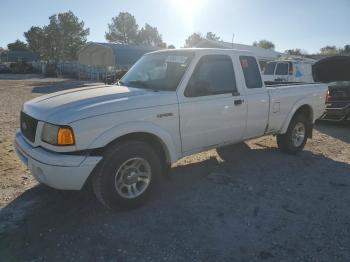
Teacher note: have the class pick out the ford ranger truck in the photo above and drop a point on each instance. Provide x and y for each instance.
(172, 103)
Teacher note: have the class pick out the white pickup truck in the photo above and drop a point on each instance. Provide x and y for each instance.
(171, 104)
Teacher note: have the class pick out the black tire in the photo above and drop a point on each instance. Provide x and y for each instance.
(285, 141)
(104, 177)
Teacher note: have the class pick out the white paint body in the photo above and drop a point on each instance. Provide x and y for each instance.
(99, 115)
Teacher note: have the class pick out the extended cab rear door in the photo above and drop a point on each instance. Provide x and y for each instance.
(212, 110)
(256, 96)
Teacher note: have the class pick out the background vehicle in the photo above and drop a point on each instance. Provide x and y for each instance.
(338, 101)
(289, 71)
(335, 70)
(4, 69)
(170, 104)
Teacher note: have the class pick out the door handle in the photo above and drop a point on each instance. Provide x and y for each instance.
(238, 102)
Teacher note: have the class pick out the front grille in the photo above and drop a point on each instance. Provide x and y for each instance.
(28, 126)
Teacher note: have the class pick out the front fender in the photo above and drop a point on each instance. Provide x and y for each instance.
(172, 147)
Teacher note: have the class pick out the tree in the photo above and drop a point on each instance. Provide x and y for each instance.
(329, 50)
(264, 44)
(193, 40)
(17, 45)
(123, 29)
(162, 45)
(35, 37)
(60, 39)
(150, 36)
(346, 49)
(296, 51)
(65, 35)
(171, 47)
(212, 36)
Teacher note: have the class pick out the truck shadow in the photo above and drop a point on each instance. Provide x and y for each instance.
(339, 131)
(249, 194)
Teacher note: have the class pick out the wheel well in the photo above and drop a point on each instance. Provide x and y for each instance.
(306, 110)
(154, 141)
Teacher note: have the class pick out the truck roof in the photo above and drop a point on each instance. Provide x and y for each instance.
(207, 51)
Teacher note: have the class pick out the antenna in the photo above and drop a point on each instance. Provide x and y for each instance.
(233, 37)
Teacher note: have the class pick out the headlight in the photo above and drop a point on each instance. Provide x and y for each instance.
(57, 135)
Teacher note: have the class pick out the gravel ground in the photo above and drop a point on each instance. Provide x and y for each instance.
(254, 203)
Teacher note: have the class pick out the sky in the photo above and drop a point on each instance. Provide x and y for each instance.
(308, 25)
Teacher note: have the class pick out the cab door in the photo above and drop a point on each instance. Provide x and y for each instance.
(212, 111)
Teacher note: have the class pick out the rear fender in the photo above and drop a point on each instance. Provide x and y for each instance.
(296, 107)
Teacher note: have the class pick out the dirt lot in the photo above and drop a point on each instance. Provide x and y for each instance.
(257, 204)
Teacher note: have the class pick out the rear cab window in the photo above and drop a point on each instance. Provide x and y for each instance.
(251, 72)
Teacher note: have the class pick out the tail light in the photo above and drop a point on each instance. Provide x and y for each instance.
(328, 97)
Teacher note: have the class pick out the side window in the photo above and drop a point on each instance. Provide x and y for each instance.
(270, 68)
(213, 75)
(282, 69)
(251, 72)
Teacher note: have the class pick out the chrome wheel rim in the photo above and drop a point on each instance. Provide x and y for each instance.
(298, 134)
(133, 177)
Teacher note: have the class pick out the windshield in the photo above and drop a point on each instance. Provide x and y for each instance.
(270, 68)
(159, 71)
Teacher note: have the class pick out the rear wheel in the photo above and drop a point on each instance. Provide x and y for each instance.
(295, 139)
(127, 175)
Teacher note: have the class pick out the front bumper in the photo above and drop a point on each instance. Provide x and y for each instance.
(57, 170)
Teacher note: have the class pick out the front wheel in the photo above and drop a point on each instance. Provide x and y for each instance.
(127, 174)
(295, 139)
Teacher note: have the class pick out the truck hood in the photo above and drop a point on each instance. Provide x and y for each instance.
(71, 105)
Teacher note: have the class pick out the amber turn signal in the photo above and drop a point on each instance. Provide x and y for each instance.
(65, 136)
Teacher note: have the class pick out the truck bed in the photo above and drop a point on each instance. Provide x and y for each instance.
(285, 96)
